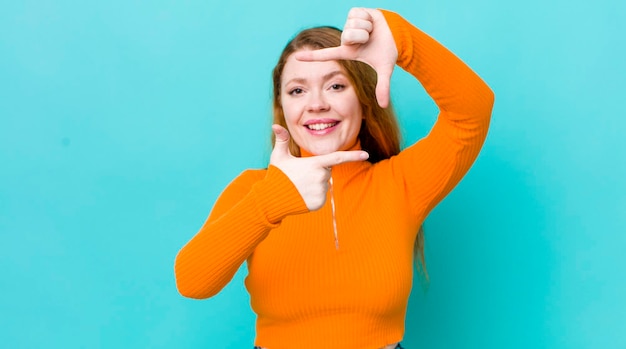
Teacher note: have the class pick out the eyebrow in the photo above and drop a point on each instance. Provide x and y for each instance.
(324, 78)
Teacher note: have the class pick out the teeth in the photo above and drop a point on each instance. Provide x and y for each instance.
(318, 127)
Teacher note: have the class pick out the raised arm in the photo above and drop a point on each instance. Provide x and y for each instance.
(433, 166)
(429, 169)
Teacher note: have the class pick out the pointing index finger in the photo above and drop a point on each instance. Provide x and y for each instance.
(325, 54)
(339, 157)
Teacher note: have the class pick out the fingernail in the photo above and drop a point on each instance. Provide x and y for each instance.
(364, 155)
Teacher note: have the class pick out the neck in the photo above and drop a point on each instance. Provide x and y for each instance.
(305, 153)
(343, 172)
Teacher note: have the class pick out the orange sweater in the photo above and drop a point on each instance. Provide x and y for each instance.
(306, 293)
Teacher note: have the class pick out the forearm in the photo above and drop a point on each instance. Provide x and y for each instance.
(434, 166)
(208, 261)
(236, 226)
(454, 87)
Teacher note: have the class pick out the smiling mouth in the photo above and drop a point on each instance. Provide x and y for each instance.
(321, 126)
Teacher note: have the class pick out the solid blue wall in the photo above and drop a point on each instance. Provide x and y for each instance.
(121, 122)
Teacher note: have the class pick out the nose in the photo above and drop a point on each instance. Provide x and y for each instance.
(317, 102)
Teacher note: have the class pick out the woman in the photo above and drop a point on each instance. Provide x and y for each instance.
(327, 233)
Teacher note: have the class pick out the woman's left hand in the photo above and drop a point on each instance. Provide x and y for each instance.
(367, 38)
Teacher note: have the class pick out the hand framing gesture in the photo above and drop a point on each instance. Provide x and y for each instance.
(367, 38)
(309, 175)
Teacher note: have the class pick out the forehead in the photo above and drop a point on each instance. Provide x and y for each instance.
(295, 69)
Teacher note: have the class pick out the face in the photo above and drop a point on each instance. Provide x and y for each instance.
(322, 111)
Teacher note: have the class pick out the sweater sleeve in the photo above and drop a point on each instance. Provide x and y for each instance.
(429, 169)
(245, 213)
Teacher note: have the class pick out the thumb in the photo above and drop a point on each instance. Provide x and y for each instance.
(382, 85)
(281, 135)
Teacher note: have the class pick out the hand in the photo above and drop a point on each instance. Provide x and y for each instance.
(367, 38)
(310, 175)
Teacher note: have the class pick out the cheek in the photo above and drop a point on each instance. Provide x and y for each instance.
(292, 112)
(352, 108)
(289, 116)
(347, 104)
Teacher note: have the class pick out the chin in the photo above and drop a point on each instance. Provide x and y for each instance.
(323, 150)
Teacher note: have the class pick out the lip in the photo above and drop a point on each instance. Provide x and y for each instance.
(321, 121)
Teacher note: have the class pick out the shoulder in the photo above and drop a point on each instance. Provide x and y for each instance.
(252, 175)
(246, 179)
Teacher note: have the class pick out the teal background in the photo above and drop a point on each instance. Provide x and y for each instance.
(122, 121)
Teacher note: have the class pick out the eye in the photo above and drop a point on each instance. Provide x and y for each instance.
(295, 91)
(337, 87)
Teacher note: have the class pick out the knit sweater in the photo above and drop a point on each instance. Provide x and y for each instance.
(306, 292)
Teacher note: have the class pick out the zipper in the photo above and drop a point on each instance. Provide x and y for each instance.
(332, 205)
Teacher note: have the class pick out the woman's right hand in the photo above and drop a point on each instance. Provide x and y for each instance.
(309, 175)
(367, 38)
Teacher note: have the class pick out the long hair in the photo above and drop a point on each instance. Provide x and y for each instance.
(379, 134)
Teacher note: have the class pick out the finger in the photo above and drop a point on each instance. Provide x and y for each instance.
(326, 54)
(383, 85)
(360, 13)
(339, 157)
(282, 139)
(354, 36)
(358, 23)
